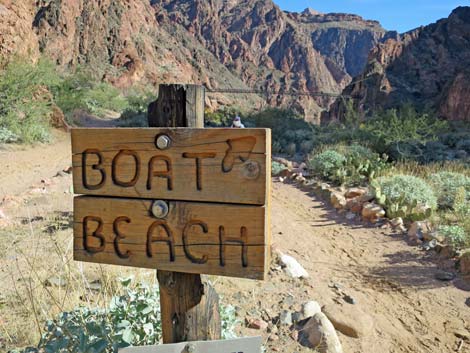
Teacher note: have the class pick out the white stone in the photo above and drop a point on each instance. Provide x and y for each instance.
(292, 267)
(319, 333)
(311, 308)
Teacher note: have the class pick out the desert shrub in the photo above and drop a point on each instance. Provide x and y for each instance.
(454, 235)
(26, 100)
(277, 167)
(404, 124)
(359, 166)
(131, 319)
(464, 144)
(288, 129)
(221, 117)
(290, 148)
(102, 97)
(446, 186)
(6, 136)
(327, 165)
(405, 196)
(135, 115)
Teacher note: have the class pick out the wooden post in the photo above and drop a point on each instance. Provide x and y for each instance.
(189, 307)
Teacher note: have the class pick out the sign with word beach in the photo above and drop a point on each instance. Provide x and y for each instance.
(179, 199)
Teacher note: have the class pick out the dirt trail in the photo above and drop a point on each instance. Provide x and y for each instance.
(391, 281)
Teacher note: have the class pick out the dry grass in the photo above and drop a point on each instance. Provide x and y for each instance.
(38, 252)
(425, 170)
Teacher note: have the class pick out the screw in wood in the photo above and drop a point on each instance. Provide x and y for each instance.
(160, 209)
(251, 170)
(163, 142)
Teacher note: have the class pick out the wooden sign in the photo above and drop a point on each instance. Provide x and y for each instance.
(215, 165)
(237, 345)
(217, 239)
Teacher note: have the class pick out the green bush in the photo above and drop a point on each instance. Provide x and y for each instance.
(26, 100)
(405, 196)
(132, 319)
(277, 167)
(327, 165)
(359, 165)
(454, 235)
(446, 186)
(6, 136)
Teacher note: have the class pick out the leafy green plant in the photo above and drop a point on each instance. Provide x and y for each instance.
(6, 136)
(328, 165)
(26, 100)
(277, 167)
(446, 185)
(405, 196)
(454, 235)
(132, 319)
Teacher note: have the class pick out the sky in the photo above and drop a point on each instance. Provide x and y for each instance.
(399, 15)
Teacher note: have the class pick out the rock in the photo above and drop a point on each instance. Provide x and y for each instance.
(467, 302)
(418, 229)
(354, 205)
(367, 197)
(294, 335)
(256, 324)
(429, 245)
(350, 216)
(446, 251)
(297, 316)
(285, 317)
(55, 282)
(310, 308)
(372, 212)
(464, 262)
(349, 320)
(444, 276)
(283, 161)
(281, 179)
(337, 200)
(288, 300)
(273, 338)
(325, 190)
(349, 299)
(355, 192)
(292, 267)
(319, 333)
(396, 222)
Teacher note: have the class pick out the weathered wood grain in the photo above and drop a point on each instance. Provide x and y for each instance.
(215, 165)
(228, 240)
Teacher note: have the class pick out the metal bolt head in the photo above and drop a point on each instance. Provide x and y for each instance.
(163, 142)
(251, 170)
(160, 209)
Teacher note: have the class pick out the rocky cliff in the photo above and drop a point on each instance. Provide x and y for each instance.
(278, 51)
(219, 43)
(429, 67)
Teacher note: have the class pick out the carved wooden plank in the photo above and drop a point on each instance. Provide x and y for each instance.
(215, 239)
(216, 165)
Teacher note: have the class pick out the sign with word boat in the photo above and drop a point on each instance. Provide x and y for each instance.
(181, 199)
(214, 165)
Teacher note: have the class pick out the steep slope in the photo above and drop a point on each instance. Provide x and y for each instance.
(428, 67)
(220, 43)
(16, 36)
(278, 51)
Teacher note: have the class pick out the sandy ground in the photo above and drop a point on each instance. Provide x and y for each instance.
(391, 281)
